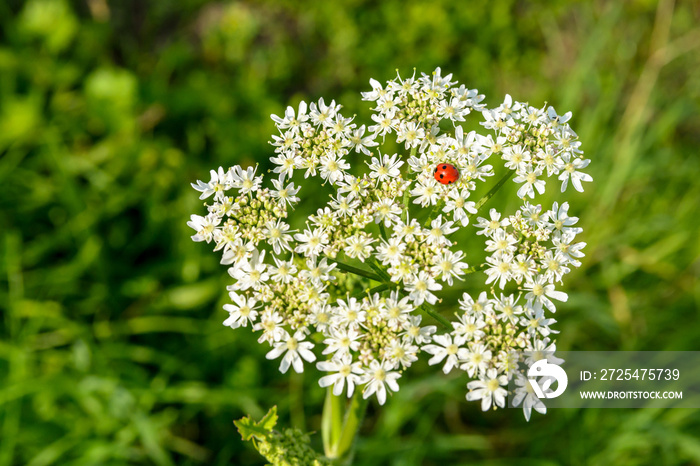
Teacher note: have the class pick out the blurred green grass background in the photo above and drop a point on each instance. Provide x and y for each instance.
(111, 344)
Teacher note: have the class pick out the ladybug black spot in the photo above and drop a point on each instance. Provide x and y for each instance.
(442, 175)
(449, 182)
(444, 167)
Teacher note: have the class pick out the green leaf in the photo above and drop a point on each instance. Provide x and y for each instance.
(248, 428)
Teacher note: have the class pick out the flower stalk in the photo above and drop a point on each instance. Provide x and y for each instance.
(339, 438)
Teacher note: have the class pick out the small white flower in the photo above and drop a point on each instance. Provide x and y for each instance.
(251, 273)
(445, 348)
(459, 206)
(410, 133)
(468, 328)
(287, 141)
(397, 310)
(277, 234)
(283, 271)
(379, 376)
(311, 242)
(502, 242)
(294, 349)
(489, 390)
(386, 121)
(290, 120)
(333, 167)
(401, 353)
(358, 246)
(220, 182)
(425, 192)
(387, 212)
(376, 92)
(559, 218)
(241, 312)
(540, 292)
(391, 252)
(271, 325)
(322, 114)
(523, 268)
(406, 231)
(500, 268)
(419, 288)
(245, 181)
(341, 127)
(570, 170)
(537, 323)
(349, 313)
(541, 349)
(416, 333)
(530, 181)
(387, 168)
(341, 342)
(345, 372)
(360, 143)
(455, 109)
(526, 395)
(449, 265)
(204, 226)
(554, 266)
(476, 308)
(286, 163)
(318, 272)
(572, 252)
(344, 206)
(285, 193)
(476, 359)
(491, 225)
(237, 252)
(533, 214)
(439, 230)
(321, 317)
(506, 308)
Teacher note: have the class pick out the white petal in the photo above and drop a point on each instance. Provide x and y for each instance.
(275, 352)
(558, 295)
(486, 403)
(327, 380)
(381, 393)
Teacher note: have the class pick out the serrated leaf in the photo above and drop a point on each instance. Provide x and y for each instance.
(270, 419)
(248, 428)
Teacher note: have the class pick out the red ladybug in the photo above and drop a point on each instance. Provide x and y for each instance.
(446, 173)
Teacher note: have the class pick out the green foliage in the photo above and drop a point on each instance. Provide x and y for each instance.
(261, 429)
(290, 448)
(111, 344)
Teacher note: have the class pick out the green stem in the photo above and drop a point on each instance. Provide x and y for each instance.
(407, 192)
(376, 266)
(296, 389)
(344, 450)
(357, 271)
(495, 189)
(433, 313)
(376, 289)
(332, 422)
(382, 230)
(476, 268)
(436, 208)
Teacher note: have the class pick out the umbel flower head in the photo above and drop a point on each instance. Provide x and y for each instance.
(352, 288)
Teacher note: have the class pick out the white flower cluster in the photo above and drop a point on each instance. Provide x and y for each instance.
(533, 141)
(360, 275)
